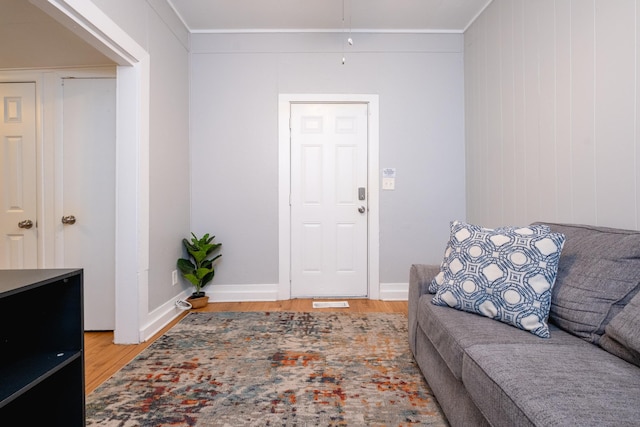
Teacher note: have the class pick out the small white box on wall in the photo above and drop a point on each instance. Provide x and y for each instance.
(389, 178)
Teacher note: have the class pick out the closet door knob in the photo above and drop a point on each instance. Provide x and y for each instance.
(68, 219)
(27, 223)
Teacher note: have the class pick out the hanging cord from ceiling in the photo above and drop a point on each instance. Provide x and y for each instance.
(349, 40)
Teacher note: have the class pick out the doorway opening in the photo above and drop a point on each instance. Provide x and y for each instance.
(133, 323)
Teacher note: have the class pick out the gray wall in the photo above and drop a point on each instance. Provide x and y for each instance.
(154, 26)
(235, 83)
(551, 113)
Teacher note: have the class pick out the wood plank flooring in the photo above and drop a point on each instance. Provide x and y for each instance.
(103, 358)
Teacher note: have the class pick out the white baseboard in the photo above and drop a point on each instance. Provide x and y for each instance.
(394, 291)
(240, 293)
(161, 316)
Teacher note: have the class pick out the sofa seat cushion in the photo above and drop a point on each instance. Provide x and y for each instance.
(561, 385)
(598, 274)
(452, 332)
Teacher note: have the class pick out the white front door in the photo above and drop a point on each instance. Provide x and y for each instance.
(329, 214)
(18, 227)
(88, 193)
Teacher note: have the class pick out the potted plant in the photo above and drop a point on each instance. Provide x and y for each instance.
(198, 269)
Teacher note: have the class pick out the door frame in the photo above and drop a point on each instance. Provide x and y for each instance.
(133, 321)
(284, 185)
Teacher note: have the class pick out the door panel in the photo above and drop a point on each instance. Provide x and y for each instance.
(328, 232)
(19, 247)
(88, 164)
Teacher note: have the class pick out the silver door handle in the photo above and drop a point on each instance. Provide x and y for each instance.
(362, 209)
(68, 219)
(27, 223)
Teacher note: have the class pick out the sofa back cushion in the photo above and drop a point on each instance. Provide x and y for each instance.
(622, 334)
(598, 274)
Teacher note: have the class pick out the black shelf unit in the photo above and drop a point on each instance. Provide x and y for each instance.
(42, 347)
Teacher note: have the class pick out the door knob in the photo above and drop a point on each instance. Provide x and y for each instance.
(362, 209)
(27, 223)
(68, 219)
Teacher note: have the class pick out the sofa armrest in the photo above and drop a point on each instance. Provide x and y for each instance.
(420, 276)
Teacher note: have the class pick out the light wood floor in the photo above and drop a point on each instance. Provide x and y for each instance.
(103, 358)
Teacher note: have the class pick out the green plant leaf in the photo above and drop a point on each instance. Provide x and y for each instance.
(198, 255)
(207, 278)
(195, 281)
(185, 266)
(186, 244)
(213, 248)
(202, 272)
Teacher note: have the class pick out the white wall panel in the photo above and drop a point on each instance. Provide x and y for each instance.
(583, 111)
(471, 88)
(614, 112)
(520, 111)
(507, 111)
(567, 112)
(637, 120)
(494, 151)
(548, 174)
(562, 27)
(475, 96)
(532, 107)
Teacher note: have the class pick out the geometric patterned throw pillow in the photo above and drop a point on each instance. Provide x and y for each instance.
(505, 274)
(456, 226)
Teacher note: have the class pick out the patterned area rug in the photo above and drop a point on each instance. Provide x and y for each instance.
(271, 369)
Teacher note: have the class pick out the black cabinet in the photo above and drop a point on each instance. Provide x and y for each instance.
(41, 347)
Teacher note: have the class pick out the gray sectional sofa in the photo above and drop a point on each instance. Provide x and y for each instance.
(486, 372)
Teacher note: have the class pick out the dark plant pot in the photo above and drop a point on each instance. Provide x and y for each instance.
(198, 301)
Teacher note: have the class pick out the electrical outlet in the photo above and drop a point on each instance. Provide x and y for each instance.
(388, 183)
(174, 277)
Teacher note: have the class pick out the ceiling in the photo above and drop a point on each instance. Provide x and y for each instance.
(29, 38)
(327, 15)
(32, 39)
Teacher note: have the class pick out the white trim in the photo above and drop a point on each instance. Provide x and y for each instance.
(477, 16)
(160, 317)
(394, 291)
(327, 30)
(236, 293)
(87, 21)
(284, 186)
(92, 25)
